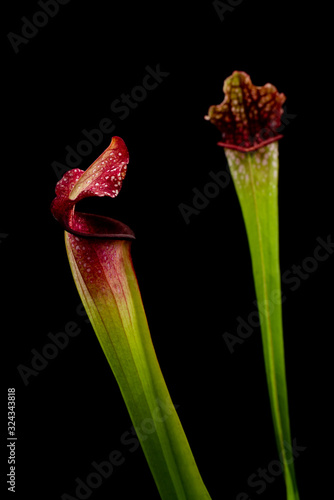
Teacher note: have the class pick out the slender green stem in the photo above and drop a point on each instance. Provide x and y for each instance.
(113, 303)
(255, 176)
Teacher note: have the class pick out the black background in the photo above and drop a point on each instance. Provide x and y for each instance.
(195, 278)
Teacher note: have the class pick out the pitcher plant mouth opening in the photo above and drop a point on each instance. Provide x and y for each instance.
(100, 226)
(103, 178)
(249, 116)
